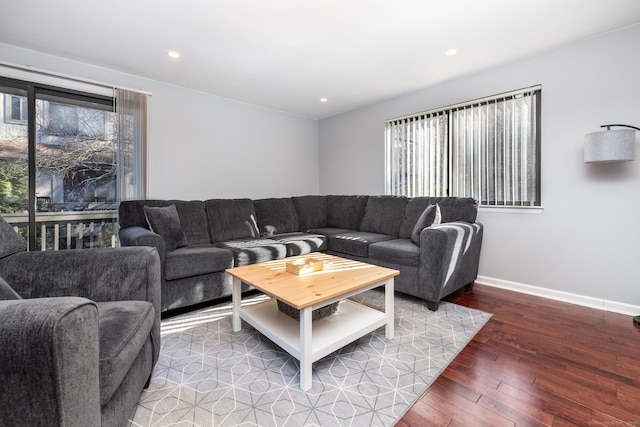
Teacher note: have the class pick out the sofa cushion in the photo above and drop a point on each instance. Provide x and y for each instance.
(301, 243)
(396, 251)
(165, 222)
(193, 218)
(123, 326)
(194, 221)
(383, 214)
(276, 216)
(328, 231)
(345, 211)
(452, 209)
(355, 242)
(195, 260)
(7, 292)
(251, 251)
(10, 241)
(311, 210)
(430, 216)
(231, 219)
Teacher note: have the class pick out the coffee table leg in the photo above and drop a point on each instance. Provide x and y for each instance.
(388, 309)
(305, 349)
(236, 297)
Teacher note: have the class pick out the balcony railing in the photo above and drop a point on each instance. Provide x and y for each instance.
(70, 230)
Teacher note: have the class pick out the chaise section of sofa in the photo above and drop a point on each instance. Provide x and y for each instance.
(435, 258)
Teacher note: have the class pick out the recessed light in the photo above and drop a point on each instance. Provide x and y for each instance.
(451, 52)
(174, 54)
(323, 99)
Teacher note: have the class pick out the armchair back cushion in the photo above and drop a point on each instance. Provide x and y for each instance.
(10, 241)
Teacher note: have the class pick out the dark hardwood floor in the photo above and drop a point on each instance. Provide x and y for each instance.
(537, 362)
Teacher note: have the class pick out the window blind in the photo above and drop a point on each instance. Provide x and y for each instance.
(488, 149)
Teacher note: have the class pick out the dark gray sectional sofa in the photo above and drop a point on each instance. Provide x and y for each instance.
(216, 234)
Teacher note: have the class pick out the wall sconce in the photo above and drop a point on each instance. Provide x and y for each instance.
(605, 146)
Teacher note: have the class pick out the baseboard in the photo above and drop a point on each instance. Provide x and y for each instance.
(600, 304)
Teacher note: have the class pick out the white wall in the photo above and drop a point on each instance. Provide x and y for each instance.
(203, 146)
(585, 241)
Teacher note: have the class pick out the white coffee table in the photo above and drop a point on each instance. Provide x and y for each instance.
(307, 340)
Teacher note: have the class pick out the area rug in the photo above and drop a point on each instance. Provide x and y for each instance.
(207, 375)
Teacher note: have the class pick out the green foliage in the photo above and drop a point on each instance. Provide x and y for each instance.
(14, 189)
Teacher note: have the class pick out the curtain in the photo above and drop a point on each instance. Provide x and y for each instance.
(131, 146)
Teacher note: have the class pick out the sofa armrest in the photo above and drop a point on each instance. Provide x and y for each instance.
(449, 257)
(140, 236)
(49, 362)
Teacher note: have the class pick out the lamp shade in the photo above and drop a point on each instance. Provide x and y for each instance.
(615, 145)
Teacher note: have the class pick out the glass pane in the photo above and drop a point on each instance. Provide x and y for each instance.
(75, 175)
(13, 152)
(14, 174)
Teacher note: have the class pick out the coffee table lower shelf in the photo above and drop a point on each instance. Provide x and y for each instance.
(308, 340)
(350, 322)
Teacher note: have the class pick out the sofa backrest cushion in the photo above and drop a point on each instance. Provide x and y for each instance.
(193, 218)
(6, 292)
(164, 221)
(10, 241)
(452, 209)
(276, 216)
(311, 211)
(463, 209)
(230, 219)
(383, 214)
(345, 211)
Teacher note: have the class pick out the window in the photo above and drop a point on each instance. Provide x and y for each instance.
(488, 149)
(15, 108)
(82, 155)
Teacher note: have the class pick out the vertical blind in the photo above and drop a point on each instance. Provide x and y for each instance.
(417, 155)
(486, 149)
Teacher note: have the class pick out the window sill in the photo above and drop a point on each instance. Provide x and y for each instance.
(511, 209)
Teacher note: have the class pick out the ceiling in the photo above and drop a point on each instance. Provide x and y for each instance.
(288, 54)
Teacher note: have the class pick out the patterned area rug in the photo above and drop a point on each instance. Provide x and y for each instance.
(209, 376)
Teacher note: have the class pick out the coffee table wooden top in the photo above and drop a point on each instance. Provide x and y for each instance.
(338, 277)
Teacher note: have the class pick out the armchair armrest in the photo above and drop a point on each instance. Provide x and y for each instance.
(449, 257)
(49, 361)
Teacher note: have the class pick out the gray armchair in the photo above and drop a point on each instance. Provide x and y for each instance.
(79, 333)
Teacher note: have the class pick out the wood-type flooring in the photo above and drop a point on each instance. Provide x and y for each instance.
(537, 362)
